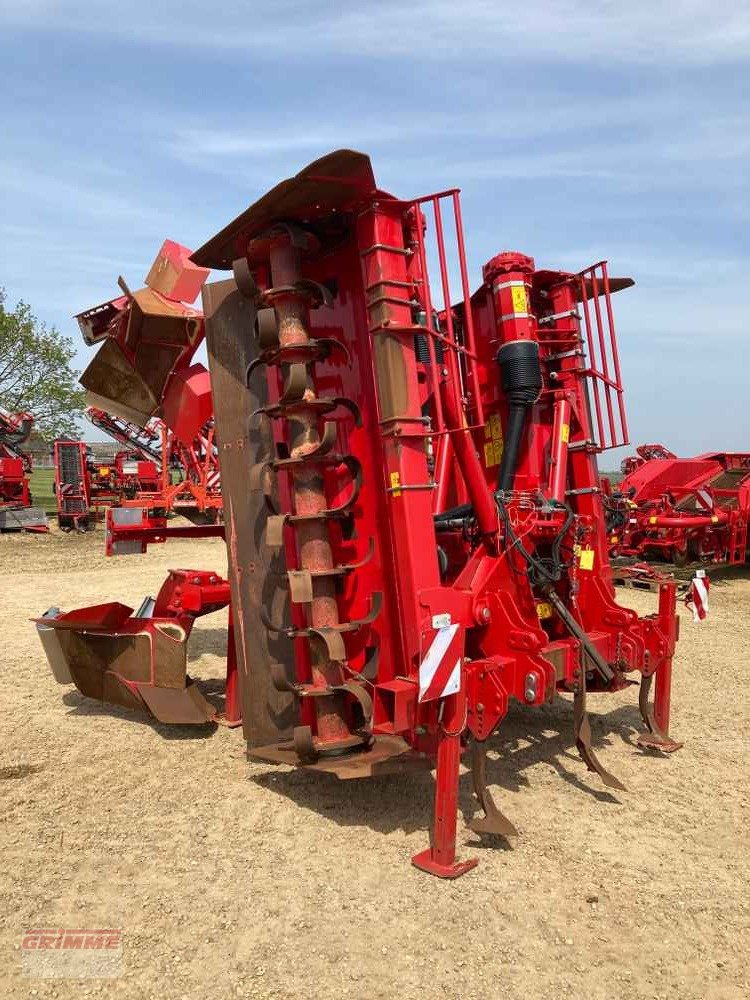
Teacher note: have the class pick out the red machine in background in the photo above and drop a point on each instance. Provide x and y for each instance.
(85, 486)
(16, 511)
(414, 521)
(682, 509)
(144, 372)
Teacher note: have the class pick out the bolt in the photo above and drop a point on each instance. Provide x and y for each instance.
(530, 687)
(486, 614)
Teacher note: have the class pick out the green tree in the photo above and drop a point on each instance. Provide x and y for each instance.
(36, 373)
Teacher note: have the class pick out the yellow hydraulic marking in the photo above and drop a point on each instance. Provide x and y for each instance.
(518, 294)
(544, 610)
(395, 484)
(565, 433)
(586, 559)
(652, 520)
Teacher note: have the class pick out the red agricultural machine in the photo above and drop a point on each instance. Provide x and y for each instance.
(85, 486)
(143, 379)
(414, 522)
(682, 509)
(16, 511)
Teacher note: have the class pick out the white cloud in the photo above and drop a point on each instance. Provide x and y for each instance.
(692, 31)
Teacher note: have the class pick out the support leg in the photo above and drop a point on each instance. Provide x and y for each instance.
(440, 858)
(232, 715)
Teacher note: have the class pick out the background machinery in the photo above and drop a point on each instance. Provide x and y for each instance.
(682, 509)
(414, 522)
(16, 511)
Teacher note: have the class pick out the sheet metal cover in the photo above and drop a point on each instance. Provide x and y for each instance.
(339, 180)
(255, 569)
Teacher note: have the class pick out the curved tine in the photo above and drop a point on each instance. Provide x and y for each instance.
(365, 559)
(255, 363)
(655, 738)
(295, 384)
(351, 406)
(280, 680)
(266, 329)
(315, 290)
(354, 467)
(326, 443)
(643, 703)
(582, 733)
(332, 641)
(258, 478)
(362, 695)
(244, 278)
(303, 744)
(372, 662)
(493, 821)
(376, 606)
(331, 345)
(272, 626)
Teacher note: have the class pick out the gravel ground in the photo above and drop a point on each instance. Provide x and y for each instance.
(235, 879)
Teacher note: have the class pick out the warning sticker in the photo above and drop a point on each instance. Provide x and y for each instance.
(586, 559)
(518, 293)
(544, 610)
(395, 484)
(565, 433)
(493, 446)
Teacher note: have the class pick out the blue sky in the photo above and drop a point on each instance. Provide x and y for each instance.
(576, 131)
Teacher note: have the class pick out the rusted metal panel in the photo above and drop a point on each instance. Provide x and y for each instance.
(256, 572)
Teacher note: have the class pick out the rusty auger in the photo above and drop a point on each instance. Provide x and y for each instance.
(282, 330)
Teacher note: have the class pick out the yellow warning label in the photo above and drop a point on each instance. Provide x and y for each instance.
(613, 540)
(395, 484)
(103, 471)
(518, 293)
(565, 433)
(543, 610)
(714, 519)
(586, 559)
(493, 441)
(652, 520)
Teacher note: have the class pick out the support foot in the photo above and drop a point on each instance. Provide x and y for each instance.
(427, 862)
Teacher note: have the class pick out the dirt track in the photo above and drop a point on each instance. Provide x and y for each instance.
(230, 879)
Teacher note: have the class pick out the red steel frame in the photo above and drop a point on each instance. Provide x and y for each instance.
(424, 597)
(509, 650)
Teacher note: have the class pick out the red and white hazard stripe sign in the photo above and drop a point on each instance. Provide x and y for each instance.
(697, 597)
(440, 669)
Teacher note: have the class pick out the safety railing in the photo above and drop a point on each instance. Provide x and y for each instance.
(463, 347)
(603, 370)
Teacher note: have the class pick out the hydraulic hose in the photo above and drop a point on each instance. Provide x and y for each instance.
(521, 379)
